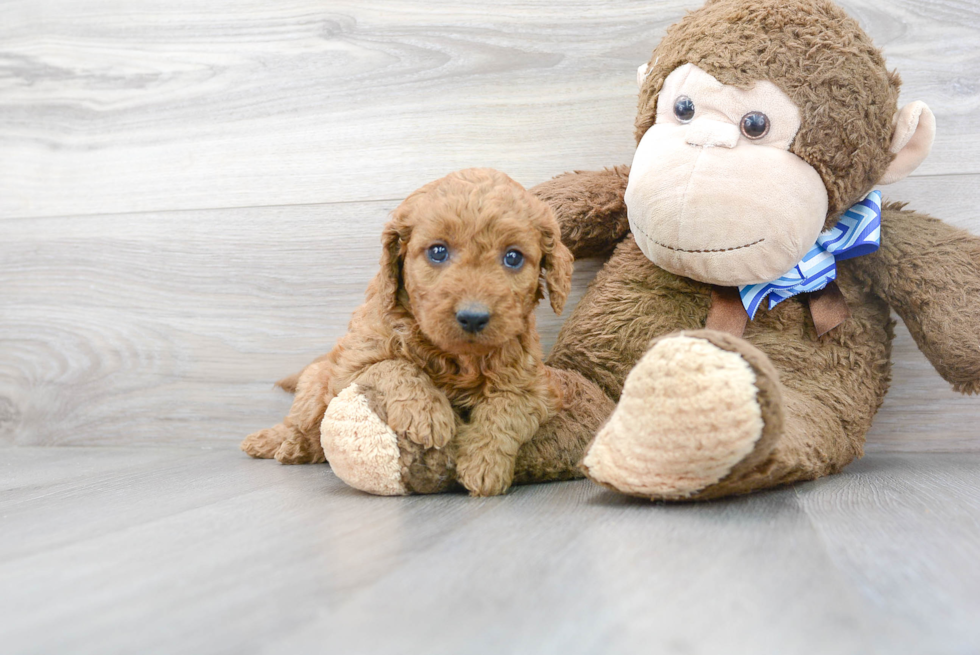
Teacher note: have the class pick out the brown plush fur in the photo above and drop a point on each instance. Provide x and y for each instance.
(596, 202)
(815, 53)
(433, 382)
(929, 273)
(830, 387)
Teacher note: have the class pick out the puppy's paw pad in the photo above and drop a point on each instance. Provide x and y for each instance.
(689, 412)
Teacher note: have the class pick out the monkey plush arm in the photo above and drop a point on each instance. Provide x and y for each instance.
(929, 272)
(590, 209)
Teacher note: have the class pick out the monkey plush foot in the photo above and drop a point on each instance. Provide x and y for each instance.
(361, 448)
(697, 408)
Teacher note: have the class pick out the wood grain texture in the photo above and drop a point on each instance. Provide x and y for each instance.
(171, 327)
(894, 533)
(153, 105)
(148, 550)
(191, 192)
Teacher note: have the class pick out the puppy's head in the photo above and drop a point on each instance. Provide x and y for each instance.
(469, 256)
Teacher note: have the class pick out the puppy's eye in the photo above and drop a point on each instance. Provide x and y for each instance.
(684, 109)
(513, 259)
(437, 253)
(755, 125)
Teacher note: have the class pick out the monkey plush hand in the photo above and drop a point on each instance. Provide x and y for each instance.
(741, 323)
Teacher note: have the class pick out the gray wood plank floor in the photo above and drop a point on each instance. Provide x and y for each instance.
(190, 200)
(150, 550)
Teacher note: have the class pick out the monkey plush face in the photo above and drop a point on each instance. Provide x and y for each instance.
(760, 123)
(714, 192)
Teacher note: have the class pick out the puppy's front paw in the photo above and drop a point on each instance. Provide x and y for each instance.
(427, 420)
(300, 451)
(484, 474)
(264, 443)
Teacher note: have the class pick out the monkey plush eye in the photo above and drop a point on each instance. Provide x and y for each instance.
(513, 259)
(684, 109)
(755, 125)
(437, 253)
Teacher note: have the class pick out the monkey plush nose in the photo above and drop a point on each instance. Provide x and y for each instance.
(473, 319)
(708, 133)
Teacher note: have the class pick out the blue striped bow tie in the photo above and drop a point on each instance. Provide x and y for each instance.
(857, 233)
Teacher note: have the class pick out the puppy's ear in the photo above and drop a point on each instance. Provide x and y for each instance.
(556, 263)
(394, 241)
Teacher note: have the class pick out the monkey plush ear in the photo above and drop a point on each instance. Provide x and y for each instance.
(915, 130)
(641, 74)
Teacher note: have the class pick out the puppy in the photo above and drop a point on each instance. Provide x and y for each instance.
(446, 339)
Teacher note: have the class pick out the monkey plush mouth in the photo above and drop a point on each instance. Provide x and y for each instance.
(707, 250)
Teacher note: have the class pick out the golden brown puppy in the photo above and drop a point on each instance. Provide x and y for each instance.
(446, 340)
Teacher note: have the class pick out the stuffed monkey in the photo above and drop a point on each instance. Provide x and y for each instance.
(742, 321)
(739, 335)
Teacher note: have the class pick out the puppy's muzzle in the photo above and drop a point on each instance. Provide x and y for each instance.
(473, 318)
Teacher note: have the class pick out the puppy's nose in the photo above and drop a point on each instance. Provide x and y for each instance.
(473, 318)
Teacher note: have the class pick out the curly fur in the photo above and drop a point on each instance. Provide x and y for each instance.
(483, 394)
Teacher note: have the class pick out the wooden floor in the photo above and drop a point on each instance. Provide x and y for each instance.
(191, 197)
(168, 550)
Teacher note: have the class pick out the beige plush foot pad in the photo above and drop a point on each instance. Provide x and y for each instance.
(361, 449)
(688, 414)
